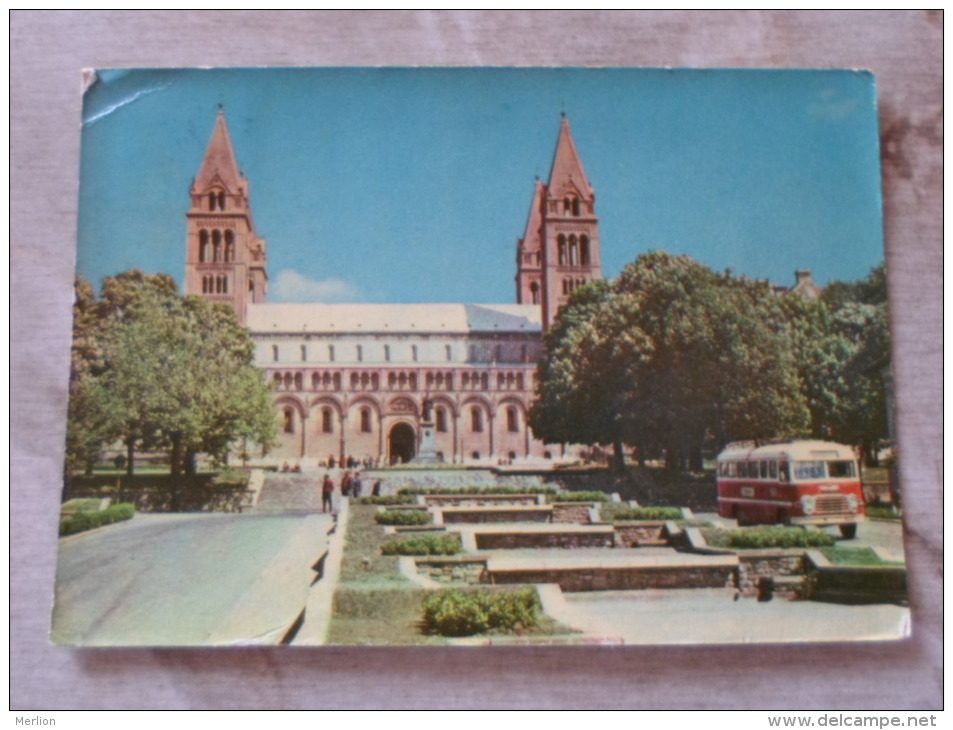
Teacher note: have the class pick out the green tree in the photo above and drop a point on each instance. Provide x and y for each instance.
(670, 356)
(170, 373)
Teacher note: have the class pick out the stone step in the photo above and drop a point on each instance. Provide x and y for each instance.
(289, 493)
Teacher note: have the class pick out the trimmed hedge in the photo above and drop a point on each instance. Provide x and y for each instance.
(622, 514)
(424, 545)
(91, 520)
(589, 496)
(388, 499)
(768, 536)
(403, 517)
(454, 612)
(476, 490)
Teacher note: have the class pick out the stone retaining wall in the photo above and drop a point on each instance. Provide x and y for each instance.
(469, 572)
(771, 564)
(572, 512)
(630, 534)
(623, 578)
(513, 540)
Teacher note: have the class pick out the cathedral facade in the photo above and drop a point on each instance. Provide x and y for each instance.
(391, 383)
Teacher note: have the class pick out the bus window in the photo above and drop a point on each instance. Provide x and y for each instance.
(742, 469)
(773, 469)
(783, 474)
(809, 470)
(764, 470)
(840, 469)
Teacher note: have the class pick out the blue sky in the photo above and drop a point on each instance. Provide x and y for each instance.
(413, 185)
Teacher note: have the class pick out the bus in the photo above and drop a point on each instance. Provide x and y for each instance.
(791, 483)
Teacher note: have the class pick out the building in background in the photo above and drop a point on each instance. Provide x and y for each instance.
(359, 380)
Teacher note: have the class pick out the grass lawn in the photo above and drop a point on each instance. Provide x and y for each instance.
(373, 603)
(883, 512)
(856, 556)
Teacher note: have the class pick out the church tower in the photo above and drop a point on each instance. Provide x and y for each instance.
(560, 249)
(225, 258)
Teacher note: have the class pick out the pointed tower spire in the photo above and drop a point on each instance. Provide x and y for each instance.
(560, 249)
(225, 258)
(567, 172)
(220, 160)
(529, 251)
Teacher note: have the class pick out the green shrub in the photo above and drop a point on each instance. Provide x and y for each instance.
(454, 612)
(388, 499)
(624, 513)
(589, 496)
(476, 490)
(768, 536)
(883, 512)
(91, 520)
(403, 517)
(442, 544)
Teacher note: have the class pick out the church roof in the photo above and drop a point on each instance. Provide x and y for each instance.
(219, 160)
(567, 167)
(394, 318)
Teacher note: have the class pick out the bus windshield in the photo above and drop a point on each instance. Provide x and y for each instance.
(834, 469)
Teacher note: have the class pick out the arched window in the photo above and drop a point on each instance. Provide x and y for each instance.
(225, 285)
(413, 353)
(375, 381)
(365, 381)
(562, 249)
(449, 350)
(274, 353)
(229, 246)
(354, 381)
(365, 420)
(288, 381)
(299, 381)
(392, 380)
(216, 245)
(386, 353)
(567, 206)
(584, 250)
(441, 419)
(524, 355)
(512, 419)
(327, 422)
(203, 246)
(575, 207)
(326, 380)
(573, 251)
(337, 381)
(449, 381)
(331, 353)
(534, 292)
(315, 381)
(476, 419)
(289, 420)
(276, 380)
(304, 353)
(402, 380)
(475, 455)
(485, 381)
(212, 199)
(360, 353)
(221, 201)
(500, 381)
(413, 381)
(510, 381)
(519, 381)
(566, 287)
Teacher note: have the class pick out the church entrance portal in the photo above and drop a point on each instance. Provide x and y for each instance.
(401, 444)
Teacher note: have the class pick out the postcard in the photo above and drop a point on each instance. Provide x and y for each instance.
(479, 356)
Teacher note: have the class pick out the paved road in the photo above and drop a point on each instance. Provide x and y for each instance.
(196, 579)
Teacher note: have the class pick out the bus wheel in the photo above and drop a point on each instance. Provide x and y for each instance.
(848, 532)
(741, 517)
(784, 518)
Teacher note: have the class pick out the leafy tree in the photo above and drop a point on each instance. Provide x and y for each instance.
(670, 355)
(164, 372)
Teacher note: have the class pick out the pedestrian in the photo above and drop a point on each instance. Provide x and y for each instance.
(346, 484)
(356, 485)
(327, 489)
(377, 488)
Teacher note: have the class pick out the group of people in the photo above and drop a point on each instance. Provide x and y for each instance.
(351, 486)
(350, 462)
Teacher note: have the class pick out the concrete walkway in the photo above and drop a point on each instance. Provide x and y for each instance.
(187, 580)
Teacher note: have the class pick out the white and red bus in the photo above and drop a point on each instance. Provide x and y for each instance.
(792, 483)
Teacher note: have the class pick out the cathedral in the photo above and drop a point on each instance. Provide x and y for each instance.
(395, 383)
